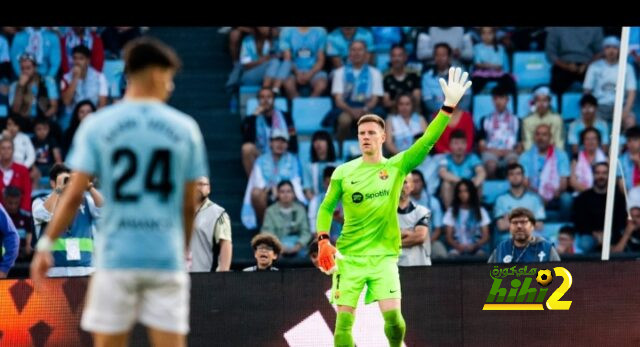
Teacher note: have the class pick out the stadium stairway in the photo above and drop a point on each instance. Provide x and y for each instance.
(200, 93)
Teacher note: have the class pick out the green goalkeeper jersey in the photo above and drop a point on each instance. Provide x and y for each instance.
(370, 195)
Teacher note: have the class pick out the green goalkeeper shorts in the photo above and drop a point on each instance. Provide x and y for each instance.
(378, 273)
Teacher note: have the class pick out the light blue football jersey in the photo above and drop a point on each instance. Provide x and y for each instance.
(142, 152)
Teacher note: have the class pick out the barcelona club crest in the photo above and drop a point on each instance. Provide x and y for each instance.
(383, 174)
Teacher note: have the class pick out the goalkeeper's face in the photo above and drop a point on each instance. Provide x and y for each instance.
(371, 136)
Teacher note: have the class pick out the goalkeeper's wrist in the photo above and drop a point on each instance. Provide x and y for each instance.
(448, 109)
(323, 237)
(44, 244)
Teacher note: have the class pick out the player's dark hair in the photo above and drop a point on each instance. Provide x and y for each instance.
(145, 52)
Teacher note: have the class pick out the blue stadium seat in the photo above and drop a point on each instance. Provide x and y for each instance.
(246, 93)
(350, 149)
(4, 111)
(309, 112)
(382, 61)
(304, 152)
(524, 108)
(550, 231)
(113, 71)
(531, 69)
(483, 105)
(280, 104)
(492, 189)
(571, 106)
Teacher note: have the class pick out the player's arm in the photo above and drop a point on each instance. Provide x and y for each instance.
(189, 205)
(323, 224)
(453, 92)
(68, 204)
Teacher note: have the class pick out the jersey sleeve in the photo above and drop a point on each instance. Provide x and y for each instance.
(416, 154)
(331, 199)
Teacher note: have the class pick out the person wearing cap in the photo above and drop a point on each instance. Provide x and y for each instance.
(271, 168)
(33, 94)
(83, 82)
(602, 77)
(542, 115)
(287, 219)
(571, 50)
(43, 43)
(257, 127)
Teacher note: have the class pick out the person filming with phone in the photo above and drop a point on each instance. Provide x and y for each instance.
(73, 251)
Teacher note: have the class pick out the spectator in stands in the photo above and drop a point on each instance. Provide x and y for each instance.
(523, 247)
(47, 151)
(420, 196)
(21, 220)
(259, 63)
(581, 166)
(461, 45)
(313, 254)
(339, 40)
(114, 39)
(630, 239)
(570, 50)
(235, 39)
(459, 165)
(566, 240)
(517, 196)
(601, 80)
(630, 159)
(83, 82)
(547, 170)
(33, 94)
(414, 229)
(499, 134)
(588, 106)
(75, 259)
(211, 245)
(44, 44)
(404, 125)
(323, 154)
(400, 81)
(6, 72)
(9, 243)
(314, 206)
(23, 152)
(542, 115)
(304, 48)
(356, 89)
(82, 36)
(460, 121)
(257, 128)
(466, 221)
(271, 168)
(491, 63)
(288, 220)
(266, 249)
(14, 174)
(80, 112)
(589, 210)
(431, 92)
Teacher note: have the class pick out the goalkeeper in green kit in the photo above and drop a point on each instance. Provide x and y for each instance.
(369, 245)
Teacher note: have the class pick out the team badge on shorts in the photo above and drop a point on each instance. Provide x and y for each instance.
(336, 295)
(383, 174)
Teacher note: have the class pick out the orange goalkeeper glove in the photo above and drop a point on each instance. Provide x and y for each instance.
(327, 254)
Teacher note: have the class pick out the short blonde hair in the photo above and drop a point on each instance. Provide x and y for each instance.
(372, 118)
